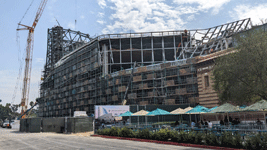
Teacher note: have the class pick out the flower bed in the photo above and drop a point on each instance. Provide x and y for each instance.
(225, 140)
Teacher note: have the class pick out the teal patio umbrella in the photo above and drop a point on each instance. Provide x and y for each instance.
(197, 110)
(126, 114)
(158, 112)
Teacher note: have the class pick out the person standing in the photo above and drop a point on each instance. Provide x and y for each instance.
(221, 123)
(210, 125)
(198, 124)
(193, 124)
(205, 123)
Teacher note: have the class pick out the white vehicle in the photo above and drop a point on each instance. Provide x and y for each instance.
(6, 124)
(80, 114)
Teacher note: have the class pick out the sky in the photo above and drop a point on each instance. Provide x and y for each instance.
(96, 17)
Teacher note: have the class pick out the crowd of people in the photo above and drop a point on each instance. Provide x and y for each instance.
(208, 124)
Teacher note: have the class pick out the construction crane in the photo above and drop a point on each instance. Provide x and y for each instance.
(28, 59)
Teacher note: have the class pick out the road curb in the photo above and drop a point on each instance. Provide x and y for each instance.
(166, 142)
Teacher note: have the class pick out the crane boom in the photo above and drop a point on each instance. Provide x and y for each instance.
(28, 59)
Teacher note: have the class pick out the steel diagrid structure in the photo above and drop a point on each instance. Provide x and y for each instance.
(61, 42)
(206, 41)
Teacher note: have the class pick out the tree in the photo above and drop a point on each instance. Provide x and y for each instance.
(4, 111)
(241, 76)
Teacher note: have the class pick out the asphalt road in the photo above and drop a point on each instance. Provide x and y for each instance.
(11, 139)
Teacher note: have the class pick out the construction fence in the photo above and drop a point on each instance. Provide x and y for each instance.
(58, 124)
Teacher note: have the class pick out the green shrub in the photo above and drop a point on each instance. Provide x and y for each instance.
(237, 142)
(125, 132)
(254, 142)
(174, 135)
(114, 131)
(103, 131)
(144, 134)
(162, 135)
(227, 139)
(198, 138)
(211, 139)
(183, 137)
(191, 136)
(264, 141)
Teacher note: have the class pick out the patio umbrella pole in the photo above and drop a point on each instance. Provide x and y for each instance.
(190, 120)
(228, 117)
(146, 120)
(138, 121)
(158, 120)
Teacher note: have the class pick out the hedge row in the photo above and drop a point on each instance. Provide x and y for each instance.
(226, 139)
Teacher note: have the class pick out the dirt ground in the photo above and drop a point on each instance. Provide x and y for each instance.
(84, 134)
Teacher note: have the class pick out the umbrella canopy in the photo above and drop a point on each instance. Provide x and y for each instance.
(177, 111)
(243, 106)
(140, 113)
(213, 108)
(198, 109)
(186, 110)
(126, 114)
(225, 108)
(260, 105)
(158, 112)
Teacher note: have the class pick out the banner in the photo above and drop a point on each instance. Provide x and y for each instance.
(110, 112)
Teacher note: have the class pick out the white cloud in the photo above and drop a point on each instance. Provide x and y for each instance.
(191, 17)
(102, 3)
(100, 14)
(143, 15)
(101, 22)
(157, 15)
(82, 16)
(71, 25)
(256, 13)
(204, 5)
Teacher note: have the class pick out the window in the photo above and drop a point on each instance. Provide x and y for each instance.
(206, 79)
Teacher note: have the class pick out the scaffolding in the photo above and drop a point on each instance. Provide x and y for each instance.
(98, 71)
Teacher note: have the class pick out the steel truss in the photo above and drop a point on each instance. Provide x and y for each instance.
(206, 41)
(61, 42)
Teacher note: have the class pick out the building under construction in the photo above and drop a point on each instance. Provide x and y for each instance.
(146, 68)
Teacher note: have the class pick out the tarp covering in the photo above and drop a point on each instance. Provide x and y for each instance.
(140, 113)
(126, 114)
(259, 106)
(177, 111)
(158, 112)
(198, 109)
(225, 108)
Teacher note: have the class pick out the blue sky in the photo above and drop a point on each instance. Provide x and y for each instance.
(97, 17)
